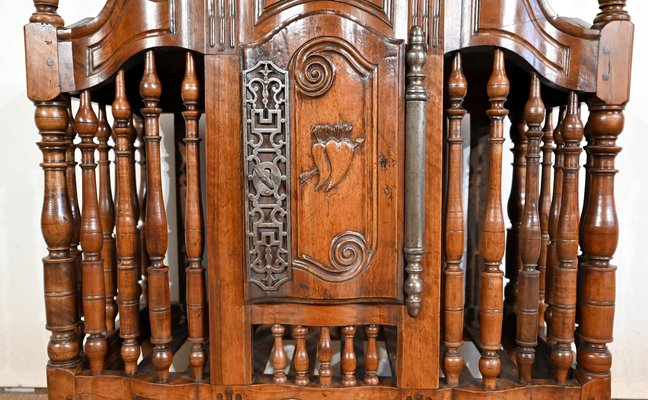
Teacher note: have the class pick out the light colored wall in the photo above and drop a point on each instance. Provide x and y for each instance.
(23, 338)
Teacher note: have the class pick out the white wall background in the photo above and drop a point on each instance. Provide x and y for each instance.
(23, 338)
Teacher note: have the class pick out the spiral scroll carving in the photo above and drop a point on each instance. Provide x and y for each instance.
(349, 257)
(315, 76)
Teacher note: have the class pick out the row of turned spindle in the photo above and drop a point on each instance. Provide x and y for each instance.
(137, 248)
(546, 270)
(301, 361)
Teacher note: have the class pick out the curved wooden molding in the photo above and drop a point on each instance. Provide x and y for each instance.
(562, 50)
(94, 49)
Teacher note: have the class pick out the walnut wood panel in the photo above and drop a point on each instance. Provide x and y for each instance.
(561, 50)
(325, 315)
(91, 51)
(345, 160)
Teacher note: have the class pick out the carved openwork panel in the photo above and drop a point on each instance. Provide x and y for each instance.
(344, 141)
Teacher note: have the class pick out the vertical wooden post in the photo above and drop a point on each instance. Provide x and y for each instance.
(491, 307)
(530, 240)
(372, 360)
(565, 278)
(325, 354)
(554, 216)
(156, 224)
(453, 315)
(279, 359)
(349, 362)
(46, 12)
(545, 209)
(107, 213)
(94, 296)
(600, 237)
(127, 237)
(300, 360)
(59, 266)
(139, 153)
(194, 223)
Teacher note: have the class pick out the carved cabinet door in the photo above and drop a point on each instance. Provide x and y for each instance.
(323, 139)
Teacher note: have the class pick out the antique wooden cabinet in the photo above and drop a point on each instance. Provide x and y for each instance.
(322, 238)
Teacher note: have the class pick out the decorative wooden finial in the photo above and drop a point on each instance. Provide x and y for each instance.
(46, 13)
(611, 10)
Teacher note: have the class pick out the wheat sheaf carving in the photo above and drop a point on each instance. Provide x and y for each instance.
(332, 151)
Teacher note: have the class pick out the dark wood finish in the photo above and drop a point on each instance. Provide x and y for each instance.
(196, 307)
(453, 310)
(107, 213)
(127, 235)
(544, 210)
(91, 237)
(156, 225)
(564, 295)
(530, 240)
(491, 307)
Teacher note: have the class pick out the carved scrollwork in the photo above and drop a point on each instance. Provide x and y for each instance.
(314, 72)
(267, 206)
(349, 257)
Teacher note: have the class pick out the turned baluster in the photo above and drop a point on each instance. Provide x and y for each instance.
(530, 240)
(46, 13)
(545, 207)
(70, 175)
(325, 354)
(278, 358)
(139, 152)
(515, 208)
(59, 266)
(93, 289)
(194, 223)
(107, 213)
(372, 360)
(454, 230)
(600, 237)
(611, 10)
(491, 307)
(554, 216)
(156, 225)
(127, 238)
(349, 362)
(300, 360)
(565, 275)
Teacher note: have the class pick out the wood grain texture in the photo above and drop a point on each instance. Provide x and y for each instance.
(544, 211)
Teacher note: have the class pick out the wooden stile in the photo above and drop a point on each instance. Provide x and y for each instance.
(454, 237)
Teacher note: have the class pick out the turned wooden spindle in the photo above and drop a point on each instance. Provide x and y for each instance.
(156, 224)
(554, 216)
(600, 238)
(325, 355)
(530, 240)
(515, 208)
(372, 360)
(349, 362)
(139, 154)
(59, 266)
(73, 197)
(491, 307)
(611, 10)
(454, 230)
(46, 13)
(544, 210)
(300, 360)
(93, 289)
(279, 359)
(107, 213)
(127, 237)
(565, 275)
(194, 223)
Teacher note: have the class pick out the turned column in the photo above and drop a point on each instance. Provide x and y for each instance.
(544, 210)
(93, 289)
(107, 212)
(600, 237)
(491, 306)
(194, 223)
(565, 275)
(453, 311)
(156, 225)
(127, 236)
(527, 298)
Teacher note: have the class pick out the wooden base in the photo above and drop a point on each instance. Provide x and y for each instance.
(65, 384)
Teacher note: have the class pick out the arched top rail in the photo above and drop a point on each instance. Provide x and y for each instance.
(563, 50)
